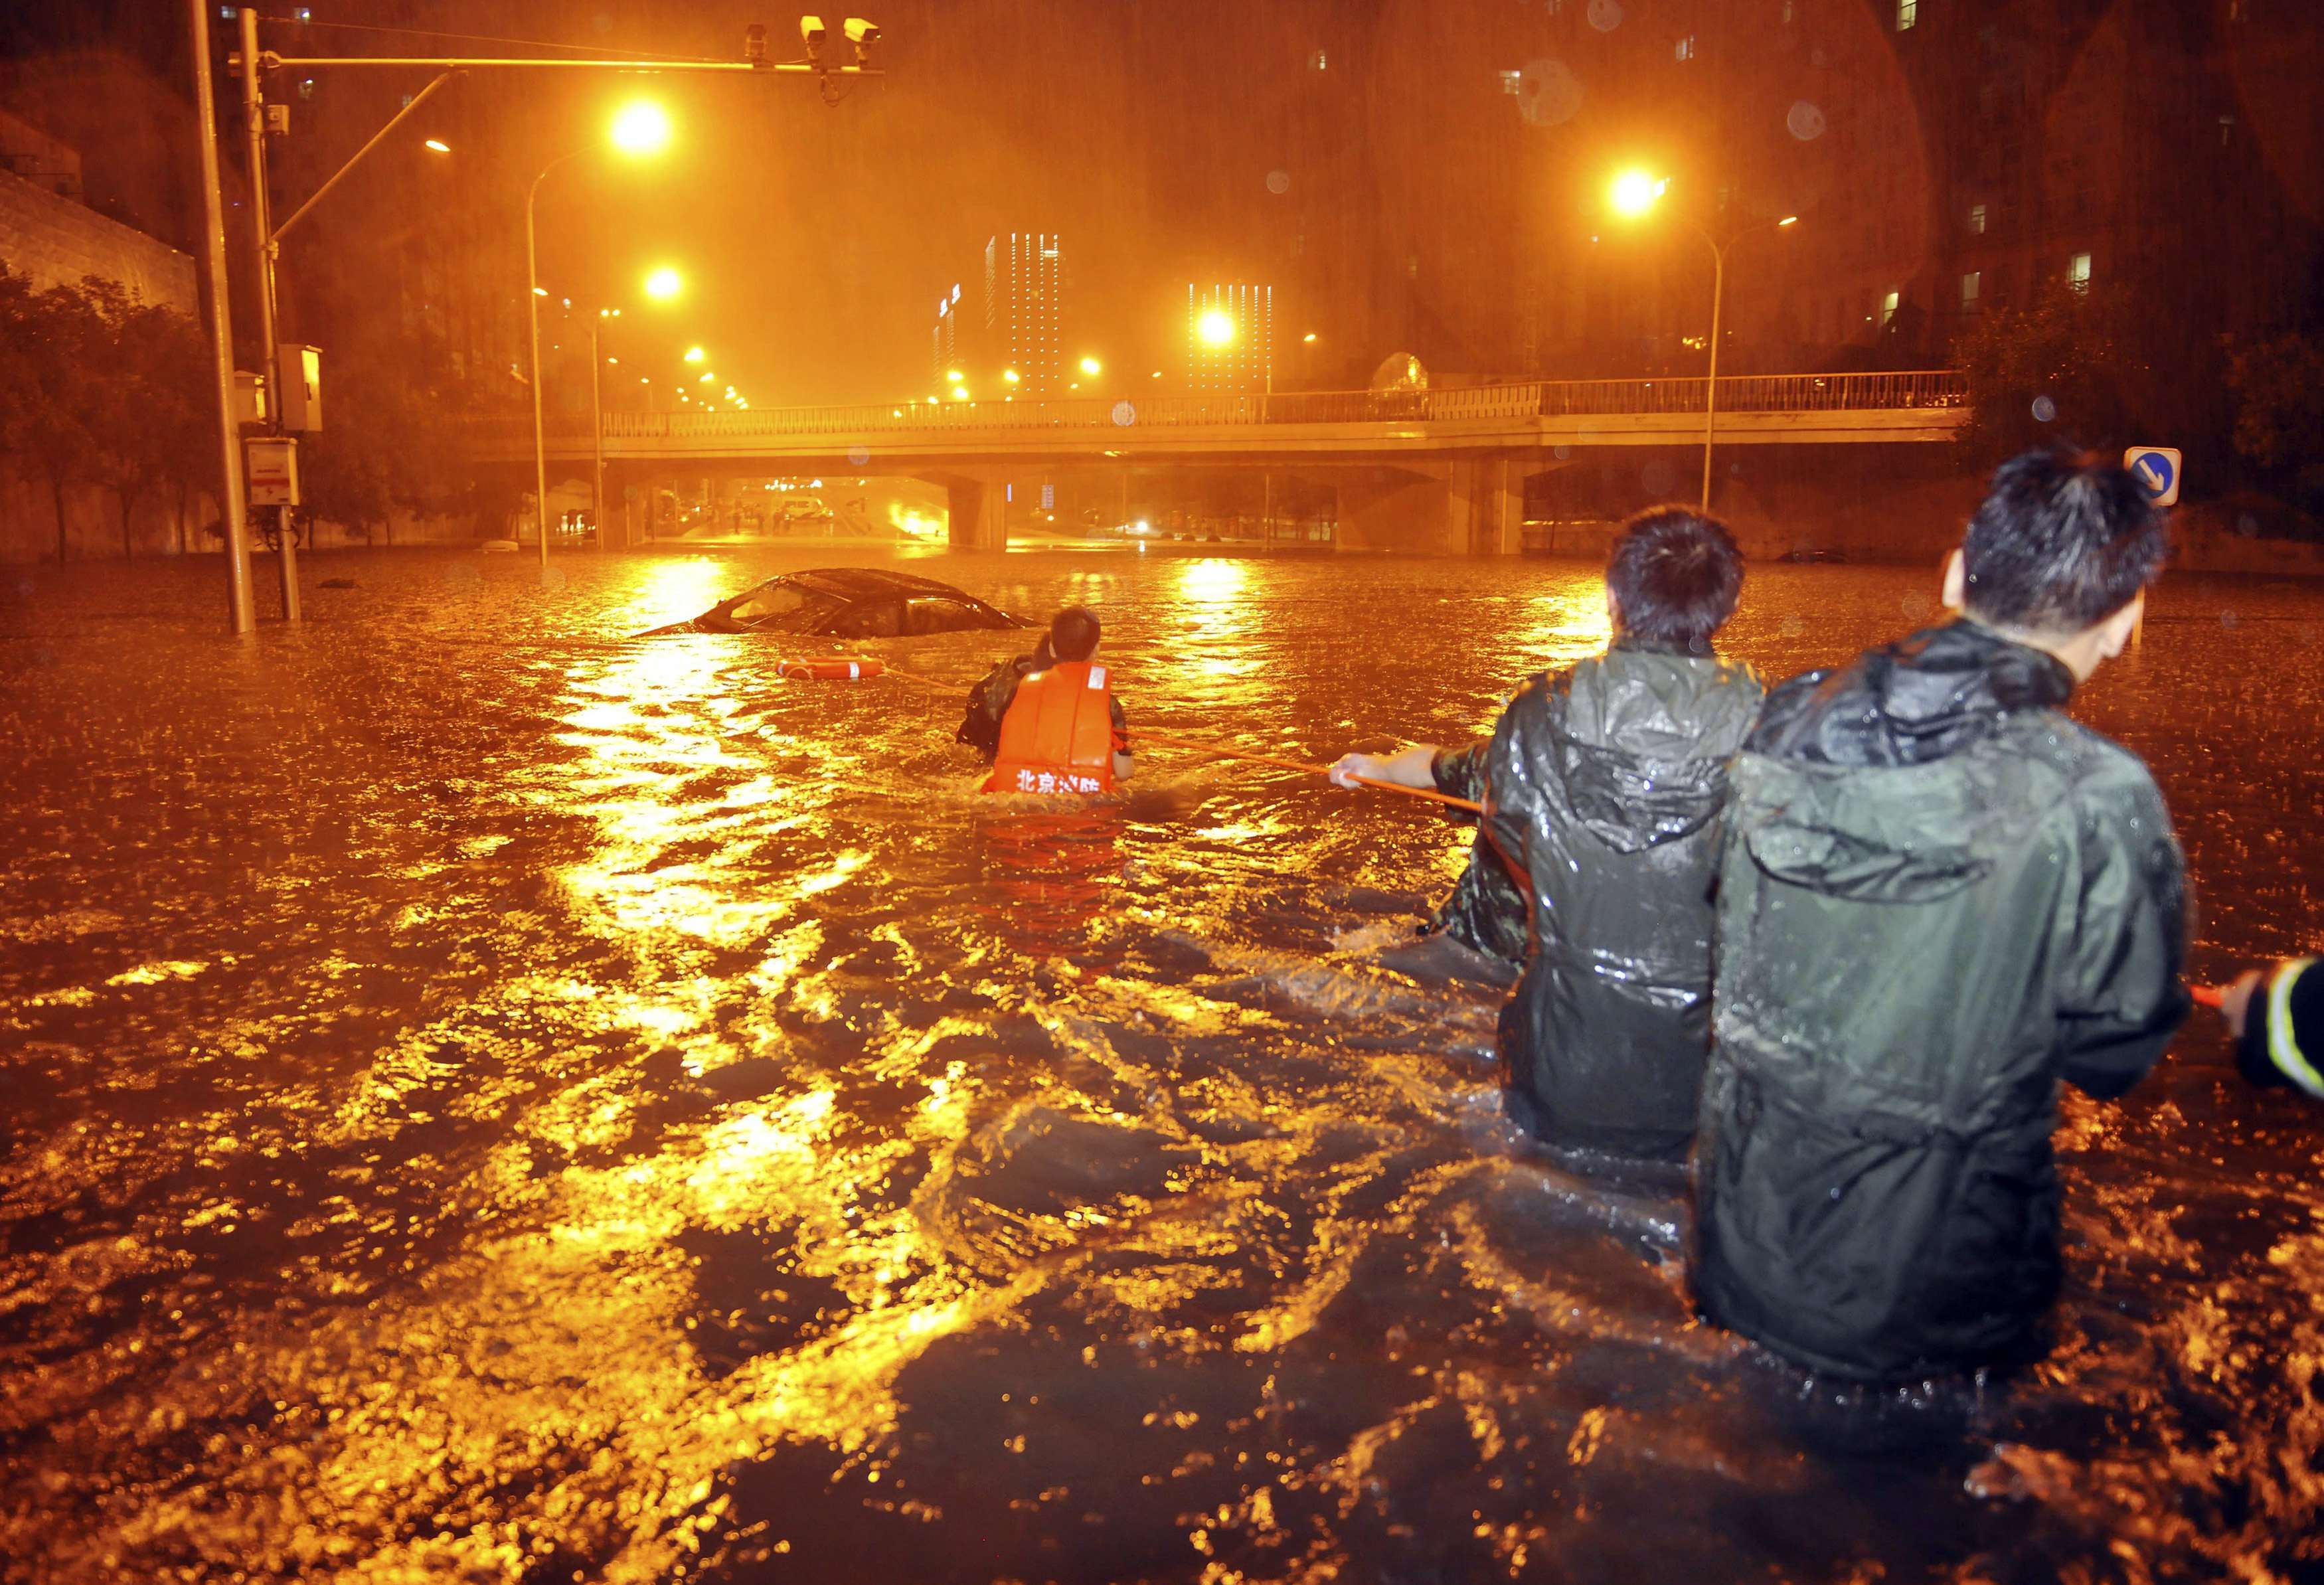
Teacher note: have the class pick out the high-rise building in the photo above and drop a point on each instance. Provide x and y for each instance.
(944, 358)
(1229, 336)
(1024, 310)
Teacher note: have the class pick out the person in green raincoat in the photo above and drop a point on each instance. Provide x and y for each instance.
(1603, 784)
(1939, 899)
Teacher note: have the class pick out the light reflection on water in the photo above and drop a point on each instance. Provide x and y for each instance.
(490, 1102)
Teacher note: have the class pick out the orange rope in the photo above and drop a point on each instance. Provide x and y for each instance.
(2211, 996)
(1228, 752)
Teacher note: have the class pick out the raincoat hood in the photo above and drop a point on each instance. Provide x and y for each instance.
(1922, 698)
(1629, 742)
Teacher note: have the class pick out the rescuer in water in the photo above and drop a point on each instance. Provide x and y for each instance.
(1037, 718)
(1603, 785)
(2276, 1016)
(1938, 896)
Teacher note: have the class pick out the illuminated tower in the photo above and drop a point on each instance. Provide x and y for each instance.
(945, 360)
(1229, 338)
(1024, 310)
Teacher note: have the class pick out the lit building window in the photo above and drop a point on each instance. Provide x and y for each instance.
(1687, 48)
(1512, 82)
(1316, 62)
(1976, 219)
(1889, 307)
(1908, 12)
(1971, 281)
(2078, 273)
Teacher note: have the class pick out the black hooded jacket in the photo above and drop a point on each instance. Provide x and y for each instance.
(1938, 896)
(1606, 784)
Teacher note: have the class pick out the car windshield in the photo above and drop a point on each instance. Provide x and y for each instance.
(938, 615)
(871, 619)
(783, 606)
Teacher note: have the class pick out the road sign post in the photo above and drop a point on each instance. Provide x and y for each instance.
(2157, 468)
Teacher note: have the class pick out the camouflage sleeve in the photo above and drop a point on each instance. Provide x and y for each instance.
(1461, 772)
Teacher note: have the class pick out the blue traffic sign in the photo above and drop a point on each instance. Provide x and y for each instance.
(2157, 468)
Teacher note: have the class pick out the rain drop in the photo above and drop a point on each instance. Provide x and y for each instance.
(858, 454)
(552, 578)
(1658, 476)
(1548, 92)
(1561, 452)
(1804, 121)
(2246, 524)
(2045, 409)
(1279, 182)
(2228, 619)
(1605, 15)
(1124, 414)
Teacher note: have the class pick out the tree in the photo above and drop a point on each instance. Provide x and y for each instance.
(2279, 386)
(62, 402)
(146, 364)
(2063, 368)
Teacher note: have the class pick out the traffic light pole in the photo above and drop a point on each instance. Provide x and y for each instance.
(262, 235)
(240, 613)
(249, 61)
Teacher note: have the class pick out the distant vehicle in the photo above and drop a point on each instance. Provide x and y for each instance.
(1805, 554)
(848, 603)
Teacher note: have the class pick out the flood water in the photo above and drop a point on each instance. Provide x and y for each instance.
(484, 1101)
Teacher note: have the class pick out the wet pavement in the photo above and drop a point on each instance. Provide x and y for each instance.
(486, 1100)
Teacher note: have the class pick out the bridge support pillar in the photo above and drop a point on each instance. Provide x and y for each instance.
(1486, 507)
(1398, 509)
(978, 514)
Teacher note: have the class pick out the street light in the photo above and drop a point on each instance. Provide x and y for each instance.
(639, 128)
(693, 354)
(436, 145)
(1216, 328)
(1633, 194)
(663, 284)
(1091, 367)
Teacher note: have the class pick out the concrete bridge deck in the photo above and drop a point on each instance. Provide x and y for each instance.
(1458, 447)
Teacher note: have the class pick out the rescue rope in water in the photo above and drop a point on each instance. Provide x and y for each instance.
(829, 670)
(2214, 997)
(1229, 752)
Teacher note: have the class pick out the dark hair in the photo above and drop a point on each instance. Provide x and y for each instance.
(1675, 575)
(2062, 541)
(1073, 633)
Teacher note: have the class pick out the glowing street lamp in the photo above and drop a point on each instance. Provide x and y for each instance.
(664, 283)
(1216, 328)
(437, 146)
(1632, 195)
(1091, 367)
(1009, 375)
(639, 128)
(694, 355)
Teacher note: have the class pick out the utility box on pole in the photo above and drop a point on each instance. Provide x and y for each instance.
(301, 373)
(272, 470)
(249, 398)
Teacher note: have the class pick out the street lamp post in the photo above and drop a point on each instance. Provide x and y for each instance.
(641, 128)
(1635, 193)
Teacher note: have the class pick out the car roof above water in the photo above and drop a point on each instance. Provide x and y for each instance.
(857, 583)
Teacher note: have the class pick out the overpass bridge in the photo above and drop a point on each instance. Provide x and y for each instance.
(1440, 469)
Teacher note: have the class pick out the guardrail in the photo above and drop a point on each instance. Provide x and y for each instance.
(1558, 398)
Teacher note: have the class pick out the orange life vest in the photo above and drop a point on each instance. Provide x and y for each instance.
(1058, 734)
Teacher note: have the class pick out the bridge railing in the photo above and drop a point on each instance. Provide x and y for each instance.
(1556, 399)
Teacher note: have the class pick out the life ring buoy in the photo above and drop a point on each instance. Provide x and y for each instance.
(828, 671)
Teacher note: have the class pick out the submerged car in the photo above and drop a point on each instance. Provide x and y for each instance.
(848, 603)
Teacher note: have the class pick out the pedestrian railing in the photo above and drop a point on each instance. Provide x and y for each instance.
(1549, 399)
